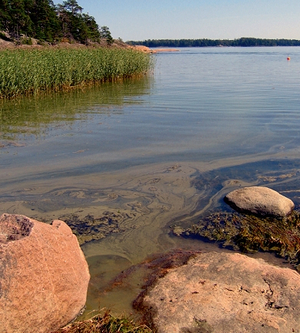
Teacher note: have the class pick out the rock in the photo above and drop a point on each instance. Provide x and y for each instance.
(260, 200)
(43, 275)
(141, 48)
(225, 292)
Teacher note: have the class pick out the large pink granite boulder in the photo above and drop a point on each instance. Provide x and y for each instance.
(43, 275)
(260, 200)
(225, 292)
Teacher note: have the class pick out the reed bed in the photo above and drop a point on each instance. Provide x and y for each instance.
(30, 71)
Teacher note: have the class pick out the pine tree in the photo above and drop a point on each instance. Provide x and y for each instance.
(105, 34)
(5, 17)
(43, 20)
(20, 20)
(92, 27)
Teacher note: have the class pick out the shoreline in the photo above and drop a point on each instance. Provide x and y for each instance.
(162, 50)
(141, 203)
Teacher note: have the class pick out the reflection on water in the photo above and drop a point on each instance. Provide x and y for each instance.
(133, 157)
(38, 114)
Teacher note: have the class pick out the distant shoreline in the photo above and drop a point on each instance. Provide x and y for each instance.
(241, 42)
(164, 50)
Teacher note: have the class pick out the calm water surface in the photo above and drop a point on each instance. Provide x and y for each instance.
(161, 149)
(201, 104)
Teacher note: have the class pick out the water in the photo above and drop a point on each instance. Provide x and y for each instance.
(154, 151)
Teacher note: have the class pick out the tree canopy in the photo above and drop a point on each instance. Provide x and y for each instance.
(42, 20)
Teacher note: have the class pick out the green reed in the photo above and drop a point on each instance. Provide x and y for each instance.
(24, 71)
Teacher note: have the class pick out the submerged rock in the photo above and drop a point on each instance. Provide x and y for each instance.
(225, 292)
(43, 275)
(90, 228)
(259, 200)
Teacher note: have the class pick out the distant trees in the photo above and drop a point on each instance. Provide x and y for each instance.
(42, 20)
(244, 42)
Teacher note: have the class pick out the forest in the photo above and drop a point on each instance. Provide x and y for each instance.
(46, 22)
(244, 41)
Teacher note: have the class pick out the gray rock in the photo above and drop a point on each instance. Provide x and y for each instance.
(225, 292)
(260, 200)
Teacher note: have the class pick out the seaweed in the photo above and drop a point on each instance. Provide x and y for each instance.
(250, 233)
(90, 228)
(106, 323)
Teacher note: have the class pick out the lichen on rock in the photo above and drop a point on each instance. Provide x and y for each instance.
(14, 229)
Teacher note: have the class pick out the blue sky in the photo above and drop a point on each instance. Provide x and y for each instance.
(213, 19)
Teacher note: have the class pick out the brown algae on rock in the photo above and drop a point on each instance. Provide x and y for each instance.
(249, 233)
(90, 228)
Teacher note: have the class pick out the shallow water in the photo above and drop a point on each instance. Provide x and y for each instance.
(161, 150)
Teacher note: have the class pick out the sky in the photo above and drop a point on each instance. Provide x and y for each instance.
(140, 20)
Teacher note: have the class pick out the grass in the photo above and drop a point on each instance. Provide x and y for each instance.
(30, 71)
(106, 323)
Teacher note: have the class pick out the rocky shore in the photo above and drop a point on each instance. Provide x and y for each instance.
(44, 275)
(226, 292)
(230, 292)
